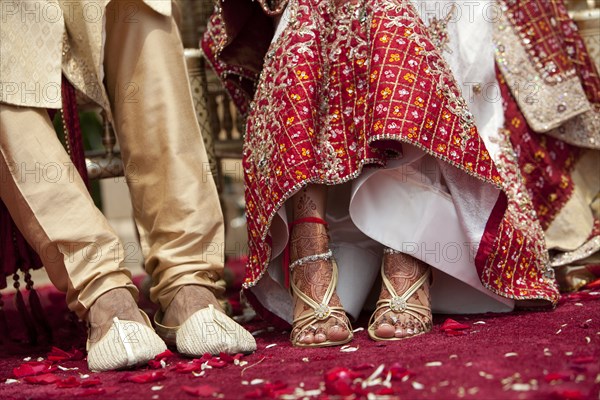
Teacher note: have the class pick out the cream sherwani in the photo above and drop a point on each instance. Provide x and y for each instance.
(126, 56)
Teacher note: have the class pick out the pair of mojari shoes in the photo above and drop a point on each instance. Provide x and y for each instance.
(129, 344)
(395, 305)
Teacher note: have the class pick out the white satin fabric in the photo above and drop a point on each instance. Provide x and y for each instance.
(417, 204)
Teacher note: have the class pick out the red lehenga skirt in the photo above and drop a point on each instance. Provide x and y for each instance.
(346, 88)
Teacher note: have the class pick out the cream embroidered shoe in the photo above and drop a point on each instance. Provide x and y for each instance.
(127, 344)
(207, 331)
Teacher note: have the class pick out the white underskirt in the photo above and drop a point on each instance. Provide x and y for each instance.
(417, 204)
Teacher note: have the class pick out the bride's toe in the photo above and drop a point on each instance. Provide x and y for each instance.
(385, 330)
(337, 333)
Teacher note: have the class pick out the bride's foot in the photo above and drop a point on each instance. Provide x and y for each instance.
(403, 309)
(319, 318)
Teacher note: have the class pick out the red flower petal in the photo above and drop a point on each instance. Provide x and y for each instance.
(226, 357)
(164, 355)
(147, 377)
(205, 357)
(557, 376)
(44, 379)
(33, 368)
(398, 372)
(202, 391)
(215, 363)
(340, 373)
(451, 324)
(90, 382)
(70, 382)
(186, 367)
(593, 285)
(160, 359)
(385, 392)
(57, 354)
(566, 394)
(339, 387)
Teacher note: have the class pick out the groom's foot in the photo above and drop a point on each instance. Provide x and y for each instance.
(187, 301)
(115, 303)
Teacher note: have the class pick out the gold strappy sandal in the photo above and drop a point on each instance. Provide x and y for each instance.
(322, 311)
(400, 305)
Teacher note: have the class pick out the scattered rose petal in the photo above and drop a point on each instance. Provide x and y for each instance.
(216, 363)
(44, 379)
(147, 377)
(226, 357)
(566, 394)
(90, 382)
(69, 382)
(156, 388)
(568, 353)
(398, 372)
(510, 355)
(160, 361)
(434, 364)
(198, 374)
(305, 359)
(339, 381)
(557, 376)
(84, 376)
(9, 381)
(417, 385)
(453, 356)
(57, 354)
(452, 325)
(257, 381)
(479, 323)
(270, 345)
(593, 285)
(186, 367)
(588, 340)
(33, 368)
(348, 349)
(358, 329)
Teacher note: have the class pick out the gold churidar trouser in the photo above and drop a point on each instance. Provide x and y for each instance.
(51, 206)
(175, 202)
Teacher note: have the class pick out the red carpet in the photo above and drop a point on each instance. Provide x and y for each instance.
(536, 355)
